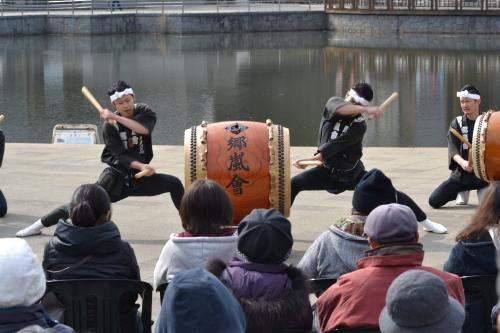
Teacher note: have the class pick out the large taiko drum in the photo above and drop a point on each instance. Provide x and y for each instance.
(250, 160)
(486, 146)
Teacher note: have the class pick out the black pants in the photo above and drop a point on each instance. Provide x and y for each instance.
(448, 191)
(3, 205)
(146, 186)
(320, 178)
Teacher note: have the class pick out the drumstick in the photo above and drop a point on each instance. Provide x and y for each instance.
(86, 92)
(308, 163)
(141, 174)
(460, 137)
(387, 101)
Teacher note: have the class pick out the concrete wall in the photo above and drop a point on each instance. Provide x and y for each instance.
(191, 23)
(421, 24)
(157, 23)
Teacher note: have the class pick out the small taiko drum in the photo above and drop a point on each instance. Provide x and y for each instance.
(486, 146)
(250, 160)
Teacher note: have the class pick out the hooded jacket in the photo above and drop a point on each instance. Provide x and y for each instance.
(333, 253)
(473, 256)
(196, 301)
(357, 299)
(111, 258)
(273, 296)
(181, 253)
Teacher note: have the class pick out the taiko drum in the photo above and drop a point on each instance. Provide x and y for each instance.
(486, 146)
(250, 160)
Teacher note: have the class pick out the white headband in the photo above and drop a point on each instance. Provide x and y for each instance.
(466, 93)
(356, 98)
(120, 94)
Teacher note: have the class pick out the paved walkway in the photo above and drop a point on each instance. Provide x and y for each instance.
(38, 177)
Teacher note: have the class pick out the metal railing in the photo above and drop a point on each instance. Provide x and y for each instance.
(413, 5)
(97, 7)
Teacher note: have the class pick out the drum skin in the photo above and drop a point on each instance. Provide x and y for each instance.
(486, 146)
(250, 160)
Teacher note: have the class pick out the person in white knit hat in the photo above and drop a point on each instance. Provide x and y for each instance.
(22, 285)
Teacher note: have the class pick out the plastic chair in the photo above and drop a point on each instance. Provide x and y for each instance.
(161, 289)
(78, 296)
(320, 285)
(480, 297)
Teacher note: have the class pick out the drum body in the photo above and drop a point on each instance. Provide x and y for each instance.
(486, 146)
(250, 160)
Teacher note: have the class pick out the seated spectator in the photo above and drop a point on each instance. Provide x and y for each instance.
(475, 252)
(273, 295)
(90, 247)
(206, 212)
(22, 285)
(337, 250)
(357, 298)
(196, 301)
(418, 302)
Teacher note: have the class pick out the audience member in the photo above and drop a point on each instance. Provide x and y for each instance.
(474, 253)
(206, 212)
(357, 298)
(337, 250)
(273, 295)
(22, 285)
(90, 247)
(418, 302)
(196, 301)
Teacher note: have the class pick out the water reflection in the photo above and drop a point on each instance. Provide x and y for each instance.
(283, 76)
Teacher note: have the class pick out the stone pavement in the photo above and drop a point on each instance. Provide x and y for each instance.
(39, 177)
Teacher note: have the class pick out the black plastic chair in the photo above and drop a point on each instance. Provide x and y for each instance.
(480, 297)
(320, 285)
(161, 289)
(77, 296)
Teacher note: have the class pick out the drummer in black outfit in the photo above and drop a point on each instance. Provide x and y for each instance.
(462, 176)
(340, 148)
(128, 150)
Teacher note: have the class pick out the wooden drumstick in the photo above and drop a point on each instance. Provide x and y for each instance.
(308, 163)
(141, 174)
(86, 92)
(387, 101)
(460, 137)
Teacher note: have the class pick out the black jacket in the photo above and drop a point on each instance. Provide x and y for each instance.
(111, 258)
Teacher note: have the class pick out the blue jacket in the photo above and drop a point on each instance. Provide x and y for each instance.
(196, 301)
(17, 318)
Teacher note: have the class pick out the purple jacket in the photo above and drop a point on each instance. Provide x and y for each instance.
(273, 296)
(248, 279)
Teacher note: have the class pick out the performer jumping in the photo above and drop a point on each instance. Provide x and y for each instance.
(128, 150)
(462, 176)
(340, 149)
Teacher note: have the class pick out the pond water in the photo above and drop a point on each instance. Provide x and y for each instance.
(286, 77)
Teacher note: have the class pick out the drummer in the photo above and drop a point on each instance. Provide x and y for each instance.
(128, 150)
(340, 138)
(462, 178)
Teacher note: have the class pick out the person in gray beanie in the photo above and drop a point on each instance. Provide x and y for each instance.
(418, 302)
(272, 294)
(357, 299)
(337, 250)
